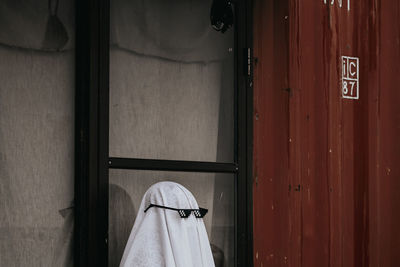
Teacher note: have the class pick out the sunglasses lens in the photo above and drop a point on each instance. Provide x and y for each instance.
(184, 213)
(200, 213)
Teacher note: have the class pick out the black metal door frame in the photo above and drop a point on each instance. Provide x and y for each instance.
(92, 161)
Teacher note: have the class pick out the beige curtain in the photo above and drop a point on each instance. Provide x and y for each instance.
(36, 137)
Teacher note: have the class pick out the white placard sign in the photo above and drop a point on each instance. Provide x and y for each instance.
(350, 77)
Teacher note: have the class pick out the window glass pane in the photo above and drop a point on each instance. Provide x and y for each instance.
(171, 82)
(212, 191)
(36, 133)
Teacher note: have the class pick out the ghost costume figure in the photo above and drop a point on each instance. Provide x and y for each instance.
(160, 237)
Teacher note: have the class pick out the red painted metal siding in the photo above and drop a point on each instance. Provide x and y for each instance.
(274, 207)
(344, 154)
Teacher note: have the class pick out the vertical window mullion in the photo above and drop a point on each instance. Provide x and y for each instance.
(91, 132)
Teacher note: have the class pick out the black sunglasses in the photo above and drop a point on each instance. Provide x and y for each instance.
(184, 213)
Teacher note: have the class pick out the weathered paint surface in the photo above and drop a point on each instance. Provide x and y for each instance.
(344, 153)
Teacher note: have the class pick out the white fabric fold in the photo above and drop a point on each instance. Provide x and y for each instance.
(160, 237)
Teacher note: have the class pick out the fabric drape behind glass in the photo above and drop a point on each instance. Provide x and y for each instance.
(36, 135)
(172, 97)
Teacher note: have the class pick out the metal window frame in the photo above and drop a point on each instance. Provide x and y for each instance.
(92, 162)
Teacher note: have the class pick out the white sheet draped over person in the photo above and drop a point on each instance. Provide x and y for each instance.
(161, 237)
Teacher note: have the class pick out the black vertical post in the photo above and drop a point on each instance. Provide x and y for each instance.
(249, 134)
(91, 132)
(104, 100)
(244, 93)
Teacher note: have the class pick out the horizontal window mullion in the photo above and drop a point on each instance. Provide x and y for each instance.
(171, 165)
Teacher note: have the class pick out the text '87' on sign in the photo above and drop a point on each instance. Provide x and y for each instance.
(350, 77)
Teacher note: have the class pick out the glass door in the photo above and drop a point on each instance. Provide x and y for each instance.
(173, 114)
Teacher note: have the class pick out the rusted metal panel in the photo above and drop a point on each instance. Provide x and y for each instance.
(343, 152)
(272, 216)
(385, 188)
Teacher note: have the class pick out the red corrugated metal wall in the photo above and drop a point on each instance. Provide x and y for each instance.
(326, 169)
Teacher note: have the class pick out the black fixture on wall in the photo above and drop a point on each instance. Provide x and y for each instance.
(221, 15)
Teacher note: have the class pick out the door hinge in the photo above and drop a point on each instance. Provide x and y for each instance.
(248, 62)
